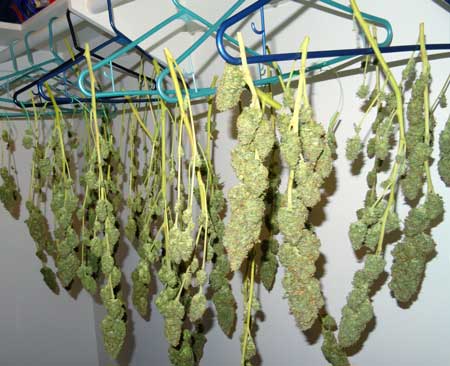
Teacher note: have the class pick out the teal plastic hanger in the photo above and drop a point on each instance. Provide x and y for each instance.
(25, 73)
(275, 79)
(187, 14)
(184, 14)
(10, 109)
(31, 72)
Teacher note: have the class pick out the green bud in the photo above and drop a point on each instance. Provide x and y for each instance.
(357, 234)
(107, 263)
(201, 277)
(417, 221)
(353, 148)
(230, 87)
(114, 331)
(198, 306)
(50, 279)
(434, 206)
(363, 91)
(225, 308)
(247, 124)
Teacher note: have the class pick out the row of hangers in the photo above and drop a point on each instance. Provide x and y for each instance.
(76, 92)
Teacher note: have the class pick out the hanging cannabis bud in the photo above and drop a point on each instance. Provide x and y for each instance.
(9, 193)
(305, 149)
(230, 87)
(105, 234)
(333, 353)
(246, 199)
(412, 254)
(353, 147)
(444, 151)
(358, 311)
(417, 151)
(223, 298)
(9, 190)
(64, 202)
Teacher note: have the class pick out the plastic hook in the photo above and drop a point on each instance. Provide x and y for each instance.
(261, 32)
(27, 48)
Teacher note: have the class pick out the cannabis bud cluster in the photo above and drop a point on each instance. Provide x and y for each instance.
(358, 311)
(412, 254)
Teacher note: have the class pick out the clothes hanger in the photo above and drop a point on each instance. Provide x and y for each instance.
(18, 75)
(269, 58)
(341, 53)
(275, 79)
(27, 73)
(70, 64)
(184, 13)
(120, 38)
(168, 95)
(15, 112)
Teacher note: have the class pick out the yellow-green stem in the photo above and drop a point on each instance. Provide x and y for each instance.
(140, 121)
(246, 72)
(384, 66)
(249, 312)
(399, 112)
(94, 120)
(293, 125)
(58, 116)
(390, 203)
(441, 94)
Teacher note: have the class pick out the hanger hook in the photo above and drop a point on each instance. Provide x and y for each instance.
(261, 32)
(27, 48)
(51, 41)
(72, 31)
(112, 23)
(256, 30)
(13, 55)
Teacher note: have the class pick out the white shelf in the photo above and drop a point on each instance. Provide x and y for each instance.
(10, 32)
(135, 18)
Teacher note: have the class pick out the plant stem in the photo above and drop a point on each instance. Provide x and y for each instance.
(294, 123)
(249, 312)
(384, 66)
(87, 55)
(441, 94)
(246, 72)
(426, 103)
(399, 112)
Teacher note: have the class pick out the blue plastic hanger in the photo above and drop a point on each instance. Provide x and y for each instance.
(342, 54)
(258, 5)
(120, 38)
(220, 34)
(168, 95)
